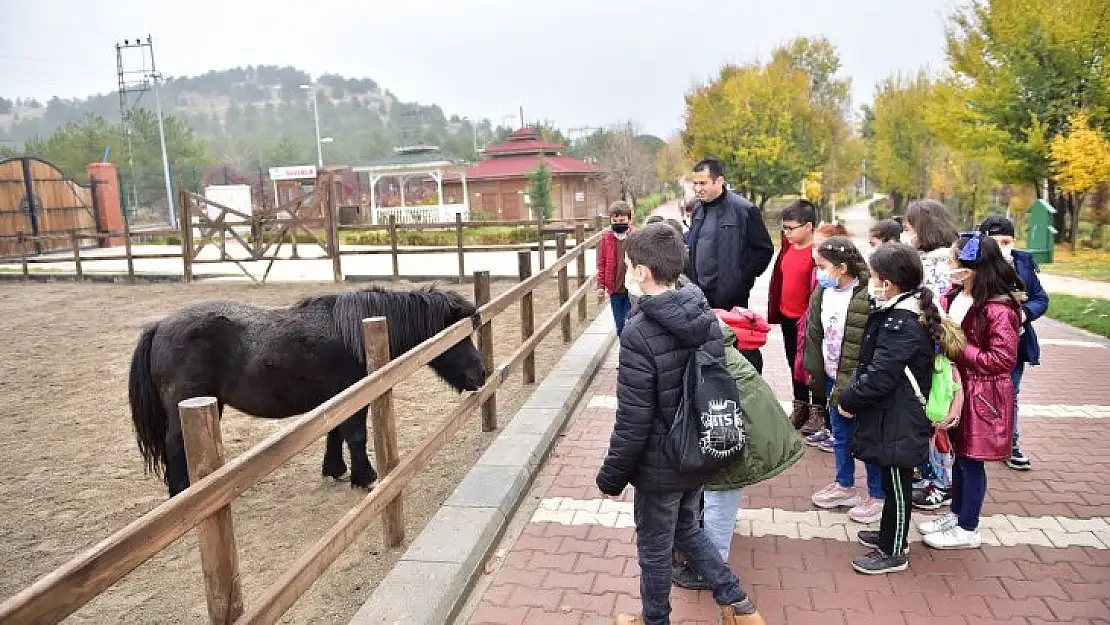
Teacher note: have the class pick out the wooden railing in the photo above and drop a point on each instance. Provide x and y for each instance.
(546, 232)
(215, 485)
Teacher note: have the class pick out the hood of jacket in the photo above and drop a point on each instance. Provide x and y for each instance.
(684, 313)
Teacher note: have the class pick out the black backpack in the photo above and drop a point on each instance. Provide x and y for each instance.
(708, 428)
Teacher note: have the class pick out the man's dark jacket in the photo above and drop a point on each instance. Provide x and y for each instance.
(744, 249)
(658, 340)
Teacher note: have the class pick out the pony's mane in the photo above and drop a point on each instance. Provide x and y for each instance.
(413, 315)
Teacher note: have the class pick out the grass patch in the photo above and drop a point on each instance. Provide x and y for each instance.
(1091, 314)
(1087, 264)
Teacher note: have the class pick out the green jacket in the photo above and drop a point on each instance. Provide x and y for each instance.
(814, 360)
(773, 445)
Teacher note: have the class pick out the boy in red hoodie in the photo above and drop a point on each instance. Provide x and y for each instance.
(610, 262)
(791, 287)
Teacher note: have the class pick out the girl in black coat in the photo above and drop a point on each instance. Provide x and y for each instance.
(892, 430)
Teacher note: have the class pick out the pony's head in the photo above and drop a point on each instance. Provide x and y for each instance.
(414, 316)
(461, 366)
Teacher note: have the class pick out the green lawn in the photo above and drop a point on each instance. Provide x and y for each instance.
(1091, 314)
(1086, 264)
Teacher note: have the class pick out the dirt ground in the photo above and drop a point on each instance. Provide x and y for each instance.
(70, 472)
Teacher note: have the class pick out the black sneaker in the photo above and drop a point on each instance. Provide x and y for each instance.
(879, 563)
(868, 538)
(731, 612)
(931, 497)
(686, 577)
(1018, 461)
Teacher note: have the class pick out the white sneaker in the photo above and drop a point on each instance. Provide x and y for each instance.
(954, 537)
(938, 524)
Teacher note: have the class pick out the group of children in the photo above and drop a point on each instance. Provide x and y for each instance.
(861, 338)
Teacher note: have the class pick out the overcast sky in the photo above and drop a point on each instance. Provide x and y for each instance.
(574, 62)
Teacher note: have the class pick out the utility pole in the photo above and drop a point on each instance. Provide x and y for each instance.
(139, 81)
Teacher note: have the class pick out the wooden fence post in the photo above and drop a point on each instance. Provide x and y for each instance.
(76, 243)
(539, 241)
(23, 256)
(127, 247)
(333, 230)
(564, 285)
(459, 245)
(393, 246)
(219, 558)
(579, 238)
(485, 345)
(527, 315)
(375, 343)
(185, 224)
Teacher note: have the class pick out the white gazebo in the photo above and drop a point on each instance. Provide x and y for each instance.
(407, 162)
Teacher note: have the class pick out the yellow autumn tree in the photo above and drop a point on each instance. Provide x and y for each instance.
(1080, 162)
(671, 163)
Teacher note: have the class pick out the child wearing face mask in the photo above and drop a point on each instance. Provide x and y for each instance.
(985, 300)
(610, 263)
(835, 324)
(891, 430)
(1036, 303)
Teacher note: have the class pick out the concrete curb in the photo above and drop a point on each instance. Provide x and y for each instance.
(430, 581)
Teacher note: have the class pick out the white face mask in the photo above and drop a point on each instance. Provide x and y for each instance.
(907, 238)
(1007, 253)
(877, 293)
(632, 285)
(958, 275)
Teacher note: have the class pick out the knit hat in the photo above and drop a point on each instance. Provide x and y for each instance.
(997, 225)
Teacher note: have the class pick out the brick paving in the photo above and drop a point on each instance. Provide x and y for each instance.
(561, 568)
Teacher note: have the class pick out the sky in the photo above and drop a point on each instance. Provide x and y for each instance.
(575, 63)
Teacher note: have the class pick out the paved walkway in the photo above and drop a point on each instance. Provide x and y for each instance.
(569, 557)
(1073, 286)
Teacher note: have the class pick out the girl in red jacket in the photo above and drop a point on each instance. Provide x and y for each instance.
(983, 299)
(610, 262)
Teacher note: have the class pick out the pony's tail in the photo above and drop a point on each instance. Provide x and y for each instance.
(147, 412)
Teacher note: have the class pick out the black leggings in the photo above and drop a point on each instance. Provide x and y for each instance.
(790, 342)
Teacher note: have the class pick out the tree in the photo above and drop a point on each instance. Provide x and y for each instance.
(770, 123)
(285, 151)
(1081, 162)
(1019, 70)
(539, 193)
(671, 164)
(903, 142)
(627, 165)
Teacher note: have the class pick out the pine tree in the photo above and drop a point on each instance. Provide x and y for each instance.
(540, 191)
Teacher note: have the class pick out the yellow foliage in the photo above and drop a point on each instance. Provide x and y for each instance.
(813, 187)
(1081, 159)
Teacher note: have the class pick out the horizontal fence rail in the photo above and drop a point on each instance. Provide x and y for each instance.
(71, 586)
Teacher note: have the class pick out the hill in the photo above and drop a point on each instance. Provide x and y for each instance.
(260, 115)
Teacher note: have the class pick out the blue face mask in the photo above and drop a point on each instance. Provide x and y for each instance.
(825, 280)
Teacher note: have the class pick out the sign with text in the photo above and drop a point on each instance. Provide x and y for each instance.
(296, 172)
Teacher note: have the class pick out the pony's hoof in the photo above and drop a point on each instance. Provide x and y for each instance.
(366, 484)
(335, 472)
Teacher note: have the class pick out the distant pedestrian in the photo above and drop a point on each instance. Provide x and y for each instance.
(610, 262)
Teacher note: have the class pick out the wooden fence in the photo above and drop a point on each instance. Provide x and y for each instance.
(266, 251)
(216, 484)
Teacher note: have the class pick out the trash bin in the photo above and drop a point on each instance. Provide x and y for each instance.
(1040, 238)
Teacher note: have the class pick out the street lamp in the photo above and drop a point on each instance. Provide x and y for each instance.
(316, 118)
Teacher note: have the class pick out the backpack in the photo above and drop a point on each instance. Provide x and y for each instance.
(708, 428)
(946, 396)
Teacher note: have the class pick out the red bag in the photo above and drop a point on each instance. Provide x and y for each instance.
(751, 328)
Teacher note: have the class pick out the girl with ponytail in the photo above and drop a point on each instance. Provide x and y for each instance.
(892, 431)
(834, 335)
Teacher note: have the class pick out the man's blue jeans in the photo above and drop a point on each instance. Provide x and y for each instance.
(667, 521)
(1015, 376)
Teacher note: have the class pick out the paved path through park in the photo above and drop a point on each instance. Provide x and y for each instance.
(569, 557)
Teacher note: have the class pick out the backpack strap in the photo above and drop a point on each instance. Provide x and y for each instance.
(916, 388)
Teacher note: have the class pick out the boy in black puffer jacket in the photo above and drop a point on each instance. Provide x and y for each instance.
(658, 339)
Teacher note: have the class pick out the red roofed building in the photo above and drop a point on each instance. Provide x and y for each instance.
(498, 186)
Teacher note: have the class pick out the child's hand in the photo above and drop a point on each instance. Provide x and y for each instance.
(601, 293)
(844, 413)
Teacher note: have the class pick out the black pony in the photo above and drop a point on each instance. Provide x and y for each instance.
(281, 362)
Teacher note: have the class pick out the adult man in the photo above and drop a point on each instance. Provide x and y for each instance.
(729, 244)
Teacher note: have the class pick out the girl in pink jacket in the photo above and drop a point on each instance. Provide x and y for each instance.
(984, 300)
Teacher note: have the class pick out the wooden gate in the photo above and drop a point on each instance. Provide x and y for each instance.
(259, 236)
(37, 199)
